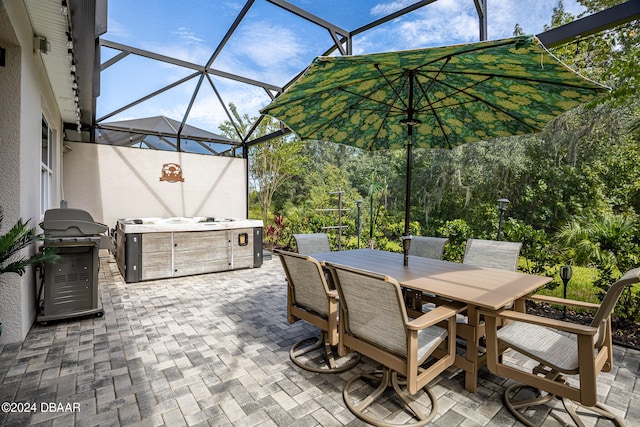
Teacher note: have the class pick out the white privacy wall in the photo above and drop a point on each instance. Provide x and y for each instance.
(120, 182)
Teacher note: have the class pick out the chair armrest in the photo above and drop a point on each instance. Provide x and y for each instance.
(432, 317)
(332, 294)
(542, 321)
(563, 301)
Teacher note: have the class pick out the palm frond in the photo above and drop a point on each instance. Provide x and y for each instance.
(18, 238)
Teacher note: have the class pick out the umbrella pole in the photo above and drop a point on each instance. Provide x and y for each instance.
(409, 121)
(406, 237)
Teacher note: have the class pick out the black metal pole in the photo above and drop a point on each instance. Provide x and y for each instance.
(502, 206)
(358, 203)
(406, 237)
(340, 219)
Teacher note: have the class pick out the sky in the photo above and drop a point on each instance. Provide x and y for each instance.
(272, 46)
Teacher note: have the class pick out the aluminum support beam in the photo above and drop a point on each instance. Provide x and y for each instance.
(151, 95)
(600, 21)
(481, 8)
(334, 30)
(310, 17)
(392, 16)
(230, 31)
(186, 64)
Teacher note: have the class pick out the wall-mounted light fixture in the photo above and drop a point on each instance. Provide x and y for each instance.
(41, 44)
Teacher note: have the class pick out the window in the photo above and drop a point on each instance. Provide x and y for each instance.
(46, 167)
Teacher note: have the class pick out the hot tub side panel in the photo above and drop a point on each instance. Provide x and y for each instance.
(156, 256)
(198, 252)
(128, 255)
(148, 256)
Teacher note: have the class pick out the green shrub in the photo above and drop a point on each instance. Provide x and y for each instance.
(458, 232)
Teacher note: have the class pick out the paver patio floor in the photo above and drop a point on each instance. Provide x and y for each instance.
(213, 350)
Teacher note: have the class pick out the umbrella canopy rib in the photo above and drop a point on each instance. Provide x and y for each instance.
(439, 123)
(397, 92)
(475, 98)
(528, 79)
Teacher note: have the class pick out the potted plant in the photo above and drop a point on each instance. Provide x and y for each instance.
(21, 236)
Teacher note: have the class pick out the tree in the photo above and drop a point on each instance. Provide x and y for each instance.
(610, 56)
(272, 162)
(375, 188)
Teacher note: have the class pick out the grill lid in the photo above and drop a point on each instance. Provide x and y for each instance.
(67, 222)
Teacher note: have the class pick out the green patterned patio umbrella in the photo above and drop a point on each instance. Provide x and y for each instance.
(436, 97)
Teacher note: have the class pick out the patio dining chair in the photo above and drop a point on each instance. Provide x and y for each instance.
(427, 246)
(483, 253)
(492, 253)
(312, 243)
(569, 357)
(471, 328)
(310, 299)
(374, 323)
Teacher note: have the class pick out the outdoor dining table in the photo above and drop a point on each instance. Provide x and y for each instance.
(473, 286)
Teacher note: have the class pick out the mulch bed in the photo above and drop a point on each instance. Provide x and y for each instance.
(624, 333)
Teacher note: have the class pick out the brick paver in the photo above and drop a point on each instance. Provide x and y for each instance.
(213, 350)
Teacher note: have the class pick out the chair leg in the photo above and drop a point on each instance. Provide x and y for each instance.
(387, 378)
(308, 345)
(515, 407)
(598, 409)
(382, 376)
(407, 400)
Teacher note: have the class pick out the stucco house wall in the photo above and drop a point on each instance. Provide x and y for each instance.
(25, 96)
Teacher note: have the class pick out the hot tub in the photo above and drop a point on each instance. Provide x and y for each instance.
(156, 248)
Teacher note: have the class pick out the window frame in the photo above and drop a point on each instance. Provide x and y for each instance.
(47, 143)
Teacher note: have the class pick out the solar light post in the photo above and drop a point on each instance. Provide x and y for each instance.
(502, 206)
(565, 275)
(359, 204)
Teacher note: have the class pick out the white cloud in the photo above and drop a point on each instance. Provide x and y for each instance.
(444, 22)
(266, 44)
(207, 112)
(265, 52)
(188, 35)
(187, 46)
(453, 21)
(383, 9)
(532, 16)
(440, 23)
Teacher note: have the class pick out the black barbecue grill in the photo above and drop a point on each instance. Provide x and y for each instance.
(70, 287)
